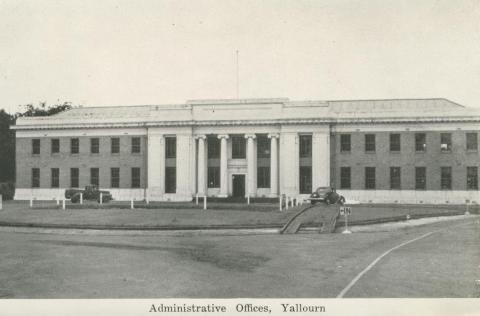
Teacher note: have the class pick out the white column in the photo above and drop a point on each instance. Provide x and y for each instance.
(250, 164)
(289, 163)
(184, 166)
(201, 165)
(223, 166)
(273, 164)
(156, 166)
(320, 160)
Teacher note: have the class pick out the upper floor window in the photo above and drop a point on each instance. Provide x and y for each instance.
(115, 145)
(345, 144)
(94, 145)
(74, 145)
(263, 147)
(395, 144)
(472, 141)
(213, 147)
(445, 142)
(55, 146)
(305, 146)
(238, 147)
(170, 147)
(420, 142)
(36, 146)
(369, 142)
(136, 145)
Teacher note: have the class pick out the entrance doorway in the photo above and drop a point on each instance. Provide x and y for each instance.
(238, 184)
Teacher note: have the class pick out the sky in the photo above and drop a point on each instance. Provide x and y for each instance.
(113, 52)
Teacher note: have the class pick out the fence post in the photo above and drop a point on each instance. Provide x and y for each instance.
(31, 202)
(63, 204)
(81, 198)
(131, 204)
(196, 198)
(248, 199)
(467, 211)
(205, 202)
(58, 201)
(101, 198)
(1, 202)
(280, 198)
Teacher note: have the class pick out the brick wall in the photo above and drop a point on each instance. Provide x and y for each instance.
(407, 159)
(64, 160)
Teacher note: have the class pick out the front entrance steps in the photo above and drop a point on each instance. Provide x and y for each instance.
(319, 218)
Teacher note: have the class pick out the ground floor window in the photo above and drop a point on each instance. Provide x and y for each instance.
(135, 177)
(370, 178)
(170, 180)
(55, 181)
(74, 173)
(115, 177)
(472, 178)
(420, 178)
(395, 178)
(305, 180)
(213, 180)
(263, 177)
(446, 178)
(345, 178)
(94, 176)
(35, 177)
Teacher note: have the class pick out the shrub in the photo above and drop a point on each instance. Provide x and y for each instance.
(7, 190)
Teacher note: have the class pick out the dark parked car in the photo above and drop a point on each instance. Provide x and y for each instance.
(326, 195)
(91, 193)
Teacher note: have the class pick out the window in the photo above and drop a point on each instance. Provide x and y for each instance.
(263, 147)
(395, 178)
(74, 145)
(420, 142)
(94, 176)
(74, 174)
(445, 142)
(369, 142)
(345, 178)
(263, 177)
(36, 146)
(94, 145)
(472, 178)
(213, 177)
(420, 178)
(115, 145)
(136, 145)
(305, 180)
(170, 147)
(55, 179)
(395, 144)
(345, 144)
(472, 141)
(238, 147)
(35, 177)
(55, 146)
(213, 145)
(135, 177)
(114, 177)
(369, 177)
(446, 178)
(170, 179)
(305, 146)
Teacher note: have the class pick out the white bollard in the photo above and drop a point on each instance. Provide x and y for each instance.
(63, 204)
(196, 199)
(81, 198)
(205, 202)
(147, 200)
(101, 198)
(1, 202)
(131, 204)
(248, 199)
(280, 200)
(58, 201)
(467, 211)
(31, 202)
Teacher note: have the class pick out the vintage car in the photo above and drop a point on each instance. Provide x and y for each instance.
(90, 193)
(326, 195)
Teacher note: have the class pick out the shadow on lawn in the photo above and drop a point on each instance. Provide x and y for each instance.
(222, 258)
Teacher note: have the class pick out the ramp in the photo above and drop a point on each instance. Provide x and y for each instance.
(320, 216)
